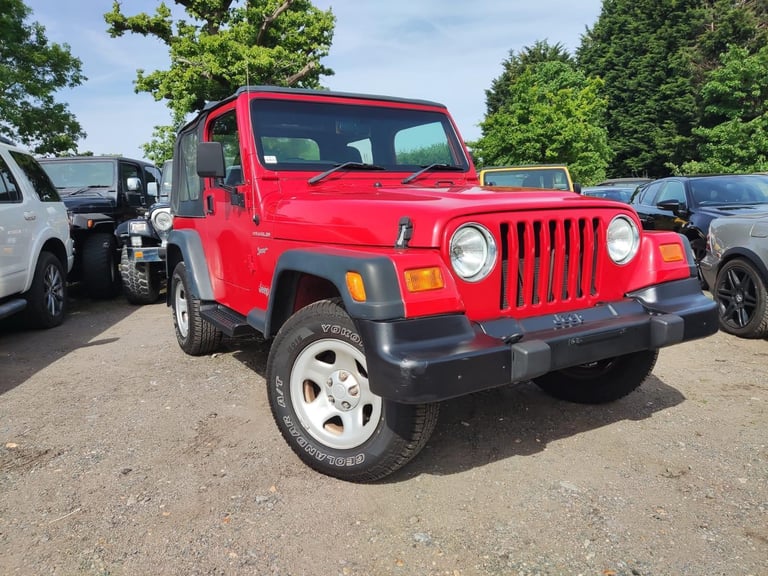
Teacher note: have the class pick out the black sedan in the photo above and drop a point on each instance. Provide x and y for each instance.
(687, 204)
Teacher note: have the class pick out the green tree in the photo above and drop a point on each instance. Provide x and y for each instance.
(226, 45)
(551, 113)
(513, 66)
(735, 99)
(643, 49)
(31, 70)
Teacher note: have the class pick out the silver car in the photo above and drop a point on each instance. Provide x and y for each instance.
(735, 268)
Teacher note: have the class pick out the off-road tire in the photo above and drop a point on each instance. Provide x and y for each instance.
(600, 382)
(47, 297)
(317, 364)
(141, 280)
(195, 335)
(742, 299)
(100, 276)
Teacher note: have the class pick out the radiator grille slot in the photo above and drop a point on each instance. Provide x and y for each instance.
(549, 261)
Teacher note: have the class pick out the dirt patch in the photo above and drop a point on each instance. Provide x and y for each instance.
(119, 455)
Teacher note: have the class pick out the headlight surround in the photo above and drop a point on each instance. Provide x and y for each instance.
(473, 252)
(623, 239)
(162, 220)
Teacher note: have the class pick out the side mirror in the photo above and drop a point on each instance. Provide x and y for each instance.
(133, 184)
(577, 187)
(210, 160)
(674, 206)
(152, 189)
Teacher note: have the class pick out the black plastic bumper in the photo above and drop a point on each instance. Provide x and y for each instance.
(437, 358)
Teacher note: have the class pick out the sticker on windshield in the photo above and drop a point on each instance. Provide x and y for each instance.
(270, 159)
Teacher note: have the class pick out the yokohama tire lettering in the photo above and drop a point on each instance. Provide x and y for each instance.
(337, 330)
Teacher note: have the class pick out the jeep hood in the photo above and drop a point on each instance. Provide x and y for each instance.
(372, 218)
(91, 201)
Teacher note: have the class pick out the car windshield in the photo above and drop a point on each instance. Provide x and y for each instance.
(729, 190)
(78, 174)
(311, 136)
(543, 178)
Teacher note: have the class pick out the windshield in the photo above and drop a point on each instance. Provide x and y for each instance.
(77, 174)
(735, 189)
(165, 182)
(542, 178)
(308, 136)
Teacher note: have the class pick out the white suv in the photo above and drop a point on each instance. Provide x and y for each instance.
(35, 245)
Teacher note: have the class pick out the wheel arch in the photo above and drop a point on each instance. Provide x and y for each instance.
(747, 254)
(187, 246)
(304, 276)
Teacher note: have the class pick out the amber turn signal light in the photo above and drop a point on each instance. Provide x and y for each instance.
(672, 252)
(356, 286)
(423, 279)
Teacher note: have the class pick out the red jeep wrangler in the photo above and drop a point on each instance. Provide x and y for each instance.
(351, 231)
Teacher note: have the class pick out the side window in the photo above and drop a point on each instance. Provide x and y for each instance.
(9, 191)
(190, 184)
(673, 190)
(646, 196)
(128, 171)
(422, 145)
(151, 174)
(37, 177)
(224, 130)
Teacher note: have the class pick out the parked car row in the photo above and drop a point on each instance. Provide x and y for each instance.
(100, 221)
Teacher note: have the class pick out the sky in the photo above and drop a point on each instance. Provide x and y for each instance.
(448, 51)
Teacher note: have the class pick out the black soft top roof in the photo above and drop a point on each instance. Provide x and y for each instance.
(307, 91)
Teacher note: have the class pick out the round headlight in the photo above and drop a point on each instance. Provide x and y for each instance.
(473, 252)
(162, 220)
(623, 239)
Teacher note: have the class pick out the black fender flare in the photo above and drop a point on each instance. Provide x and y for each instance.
(186, 245)
(383, 298)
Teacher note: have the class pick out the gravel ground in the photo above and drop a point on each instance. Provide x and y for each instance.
(119, 455)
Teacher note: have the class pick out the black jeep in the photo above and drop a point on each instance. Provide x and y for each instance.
(142, 241)
(100, 192)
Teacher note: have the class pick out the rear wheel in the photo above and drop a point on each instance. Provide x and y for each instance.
(602, 381)
(319, 394)
(47, 297)
(195, 335)
(742, 299)
(141, 280)
(99, 267)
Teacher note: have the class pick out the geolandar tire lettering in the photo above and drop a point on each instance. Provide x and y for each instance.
(321, 401)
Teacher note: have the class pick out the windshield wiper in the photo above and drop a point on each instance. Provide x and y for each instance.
(439, 166)
(344, 166)
(86, 188)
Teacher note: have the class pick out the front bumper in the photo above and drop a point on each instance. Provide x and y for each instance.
(433, 359)
(146, 253)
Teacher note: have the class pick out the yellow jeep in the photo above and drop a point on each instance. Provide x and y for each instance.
(539, 176)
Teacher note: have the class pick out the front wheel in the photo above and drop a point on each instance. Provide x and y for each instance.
(742, 299)
(99, 266)
(323, 405)
(601, 381)
(141, 280)
(47, 297)
(195, 335)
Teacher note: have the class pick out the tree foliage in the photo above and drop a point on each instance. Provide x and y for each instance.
(546, 111)
(225, 45)
(734, 137)
(31, 71)
(655, 57)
